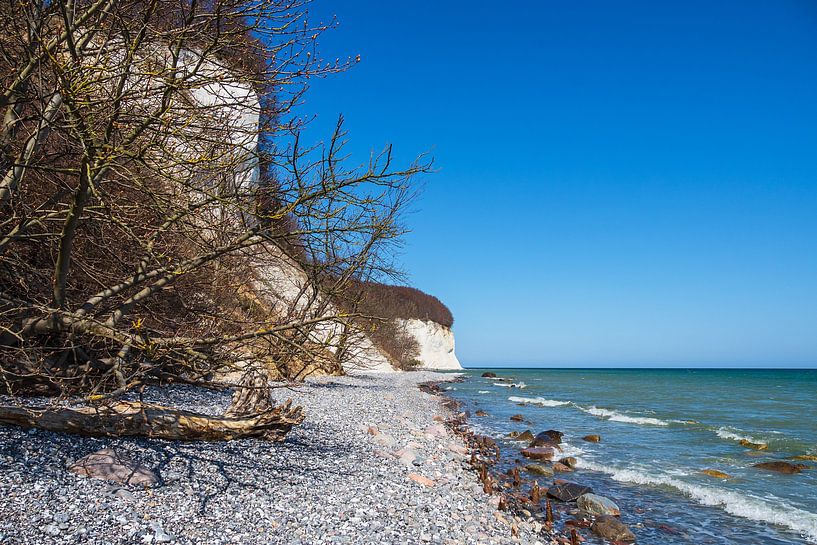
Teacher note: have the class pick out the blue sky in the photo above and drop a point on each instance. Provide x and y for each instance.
(619, 183)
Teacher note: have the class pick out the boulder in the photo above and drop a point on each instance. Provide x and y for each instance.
(488, 374)
(569, 461)
(481, 413)
(716, 474)
(781, 467)
(525, 436)
(539, 469)
(755, 446)
(613, 529)
(517, 418)
(561, 468)
(597, 505)
(567, 491)
(109, 465)
(544, 442)
(553, 435)
(538, 453)
(592, 438)
(810, 457)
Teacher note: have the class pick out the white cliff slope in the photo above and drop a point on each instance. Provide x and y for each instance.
(436, 344)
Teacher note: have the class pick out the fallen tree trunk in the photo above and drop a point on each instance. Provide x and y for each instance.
(128, 418)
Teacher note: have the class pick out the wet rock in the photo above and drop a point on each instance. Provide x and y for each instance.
(593, 438)
(538, 453)
(553, 435)
(539, 469)
(481, 413)
(109, 465)
(613, 529)
(569, 461)
(517, 418)
(716, 474)
(488, 374)
(526, 436)
(781, 467)
(568, 491)
(755, 446)
(561, 468)
(597, 505)
(810, 457)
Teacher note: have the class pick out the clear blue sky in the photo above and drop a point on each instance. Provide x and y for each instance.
(620, 183)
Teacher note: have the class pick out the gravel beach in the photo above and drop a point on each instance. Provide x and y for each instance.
(370, 464)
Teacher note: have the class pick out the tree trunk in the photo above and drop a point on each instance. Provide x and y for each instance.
(128, 418)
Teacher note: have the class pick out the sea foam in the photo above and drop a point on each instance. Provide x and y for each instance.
(519, 385)
(736, 435)
(768, 509)
(538, 401)
(616, 416)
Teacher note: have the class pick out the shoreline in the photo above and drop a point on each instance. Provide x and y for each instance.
(371, 463)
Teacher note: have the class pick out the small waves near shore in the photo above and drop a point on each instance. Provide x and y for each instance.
(691, 456)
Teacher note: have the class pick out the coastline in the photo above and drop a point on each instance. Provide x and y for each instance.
(371, 463)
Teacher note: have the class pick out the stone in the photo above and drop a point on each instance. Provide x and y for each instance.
(561, 468)
(569, 461)
(108, 465)
(385, 440)
(436, 430)
(716, 474)
(425, 481)
(613, 529)
(754, 446)
(597, 505)
(810, 457)
(488, 374)
(457, 449)
(567, 491)
(781, 467)
(593, 438)
(52, 530)
(517, 418)
(553, 435)
(372, 430)
(539, 469)
(538, 453)
(481, 413)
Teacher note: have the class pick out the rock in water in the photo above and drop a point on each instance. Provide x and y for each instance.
(781, 467)
(717, 474)
(592, 438)
(569, 461)
(553, 435)
(810, 457)
(756, 446)
(109, 465)
(611, 528)
(481, 413)
(567, 491)
(539, 469)
(560, 467)
(488, 374)
(538, 453)
(526, 436)
(597, 505)
(517, 418)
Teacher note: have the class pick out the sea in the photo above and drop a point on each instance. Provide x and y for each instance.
(659, 430)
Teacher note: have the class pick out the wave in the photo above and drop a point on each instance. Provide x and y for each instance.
(616, 416)
(484, 392)
(769, 509)
(737, 435)
(538, 401)
(519, 385)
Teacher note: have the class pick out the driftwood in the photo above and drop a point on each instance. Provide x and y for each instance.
(125, 418)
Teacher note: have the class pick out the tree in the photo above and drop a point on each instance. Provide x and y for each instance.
(155, 197)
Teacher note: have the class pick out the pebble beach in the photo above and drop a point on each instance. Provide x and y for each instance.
(371, 463)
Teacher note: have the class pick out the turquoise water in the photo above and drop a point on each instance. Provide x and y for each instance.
(659, 429)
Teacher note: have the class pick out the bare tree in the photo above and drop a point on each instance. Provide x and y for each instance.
(156, 200)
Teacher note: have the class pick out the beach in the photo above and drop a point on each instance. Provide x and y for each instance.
(371, 463)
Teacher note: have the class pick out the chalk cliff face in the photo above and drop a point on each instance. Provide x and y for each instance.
(436, 344)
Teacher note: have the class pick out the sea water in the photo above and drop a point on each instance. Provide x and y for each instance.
(660, 429)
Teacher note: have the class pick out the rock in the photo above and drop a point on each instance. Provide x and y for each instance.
(458, 449)
(407, 457)
(539, 469)
(436, 430)
(526, 436)
(488, 374)
(109, 465)
(781, 467)
(124, 495)
(481, 413)
(716, 474)
(538, 453)
(567, 491)
(517, 418)
(611, 528)
(553, 435)
(810, 457)
(597, 505)
(425, 481)
(159, 534)
(592, 438)
(544, 442)
(52, 530)
(385, 440)
(372, 430)
(755, 446)
(569, 461)
(562, 468)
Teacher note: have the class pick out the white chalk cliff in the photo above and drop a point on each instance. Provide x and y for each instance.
(436, 344)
